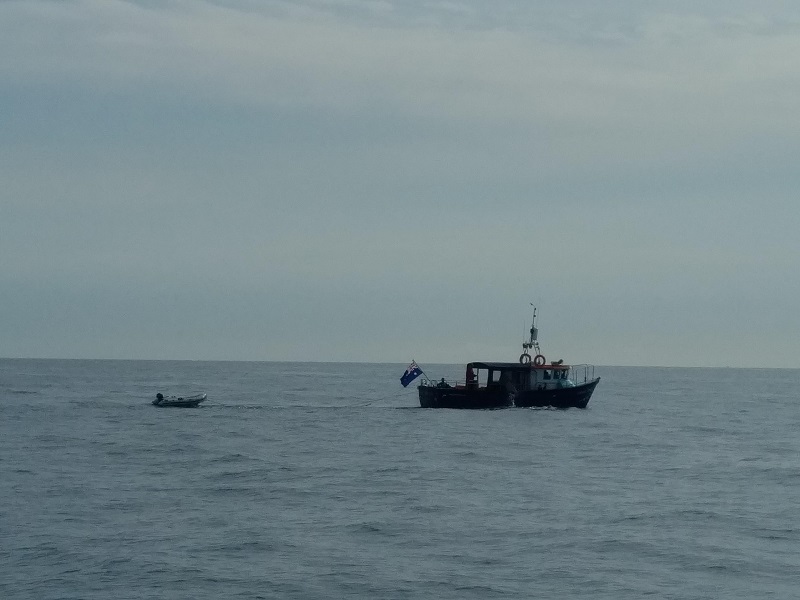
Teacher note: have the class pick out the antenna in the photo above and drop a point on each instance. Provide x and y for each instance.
(525, 358)
(534, 343)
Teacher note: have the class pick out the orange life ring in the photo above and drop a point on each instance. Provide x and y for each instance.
(524, 358)
(539, 360)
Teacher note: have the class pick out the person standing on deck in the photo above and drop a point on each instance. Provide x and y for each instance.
(471, 381)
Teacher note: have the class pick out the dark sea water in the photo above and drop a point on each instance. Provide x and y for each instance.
(303, 480)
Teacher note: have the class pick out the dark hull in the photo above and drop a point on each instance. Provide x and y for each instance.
(179, 401)
(499, 397)
(461, 397)
(571, 397)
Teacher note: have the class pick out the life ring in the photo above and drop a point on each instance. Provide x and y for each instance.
(539, 360)
(524, 358)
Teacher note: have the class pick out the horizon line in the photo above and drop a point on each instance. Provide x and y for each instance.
(356, 362)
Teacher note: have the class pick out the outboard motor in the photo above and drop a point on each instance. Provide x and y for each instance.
(159, 398)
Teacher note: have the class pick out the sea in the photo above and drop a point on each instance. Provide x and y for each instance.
(322, 480)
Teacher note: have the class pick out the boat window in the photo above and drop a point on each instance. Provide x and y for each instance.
(547, 374)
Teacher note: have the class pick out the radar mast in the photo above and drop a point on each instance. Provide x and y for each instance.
(532, 343)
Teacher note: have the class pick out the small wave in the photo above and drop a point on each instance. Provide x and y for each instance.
(231, 458)
(778, 534)
(717, 567)
(366, 527)
(467, 454)
(480, 589)
(224, 407)
(310, 407)
(239, 490)
(388, 470)
(243, 547)
(704, 429)
(228, 477)
(431, 509)
(110, 562)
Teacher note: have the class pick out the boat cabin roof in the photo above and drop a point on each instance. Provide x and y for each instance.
(511, 366)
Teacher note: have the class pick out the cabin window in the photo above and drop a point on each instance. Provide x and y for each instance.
(547, 374)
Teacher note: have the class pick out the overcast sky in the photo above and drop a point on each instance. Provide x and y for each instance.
(358, 180)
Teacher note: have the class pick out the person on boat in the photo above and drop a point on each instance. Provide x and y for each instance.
(506, 382)
(471, 381)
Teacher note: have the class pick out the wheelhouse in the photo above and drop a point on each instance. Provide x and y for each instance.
(523, 377)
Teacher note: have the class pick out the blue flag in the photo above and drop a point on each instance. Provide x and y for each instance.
(412, 372)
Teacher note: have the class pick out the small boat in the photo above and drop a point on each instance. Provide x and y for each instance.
(179, 401)
(526, 383)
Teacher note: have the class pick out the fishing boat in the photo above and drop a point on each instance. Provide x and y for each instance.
(529, 382)
(179, 401)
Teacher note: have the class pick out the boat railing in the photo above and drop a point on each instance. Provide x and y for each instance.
(443, 382)
(581, 373)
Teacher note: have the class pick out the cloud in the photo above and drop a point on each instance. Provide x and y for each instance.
(673, 91)
(674, 85)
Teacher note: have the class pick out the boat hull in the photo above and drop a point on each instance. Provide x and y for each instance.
(188, 402)
(498, 397)
(567, 397)
(464, 398)
(179, 404)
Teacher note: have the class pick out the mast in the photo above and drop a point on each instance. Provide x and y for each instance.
(533, 342)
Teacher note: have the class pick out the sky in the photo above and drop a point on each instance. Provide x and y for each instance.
(382, 180)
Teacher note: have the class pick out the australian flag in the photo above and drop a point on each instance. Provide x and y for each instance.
(412, 372)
